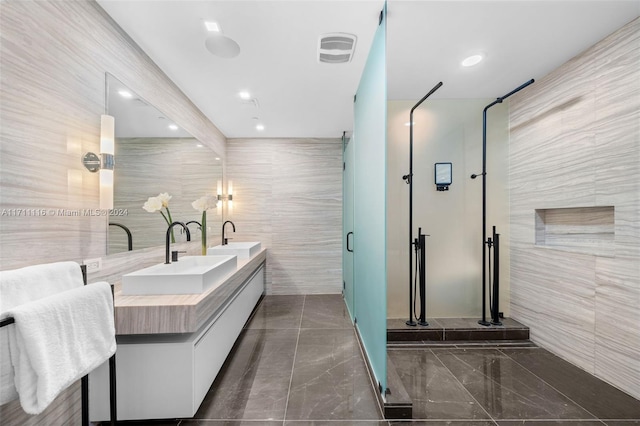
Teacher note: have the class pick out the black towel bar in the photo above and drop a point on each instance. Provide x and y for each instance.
(85, 379)
(6, 321)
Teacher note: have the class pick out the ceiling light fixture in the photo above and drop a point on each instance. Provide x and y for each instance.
(173, 127)
(473, 60)
(125, 94)
(244, 95)
(212, 26)
(260, 127)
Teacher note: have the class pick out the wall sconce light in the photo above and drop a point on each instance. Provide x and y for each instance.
(105, 162)
(228, 198)
(219, 195)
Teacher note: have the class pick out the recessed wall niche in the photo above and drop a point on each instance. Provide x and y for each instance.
(588, 230)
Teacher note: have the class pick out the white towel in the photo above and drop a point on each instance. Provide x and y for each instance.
(24, 285)
(34, 282)
(58, 339)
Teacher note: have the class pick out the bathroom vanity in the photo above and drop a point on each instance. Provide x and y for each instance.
(171, 347)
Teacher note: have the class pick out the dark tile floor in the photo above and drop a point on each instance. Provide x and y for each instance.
(298, 363)
(507, 386)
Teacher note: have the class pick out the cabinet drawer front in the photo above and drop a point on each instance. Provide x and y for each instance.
(212, 349)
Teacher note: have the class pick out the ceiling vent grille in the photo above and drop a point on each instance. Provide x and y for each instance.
(336, 48)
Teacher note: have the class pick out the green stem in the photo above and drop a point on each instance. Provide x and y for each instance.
(169, 222)
(204, 232)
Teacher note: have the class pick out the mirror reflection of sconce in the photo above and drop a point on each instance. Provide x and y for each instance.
(228, 197)
(443, 176)
(105, 162)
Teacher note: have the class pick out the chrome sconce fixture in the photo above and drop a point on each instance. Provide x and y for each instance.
(228, 197)
(105, 161)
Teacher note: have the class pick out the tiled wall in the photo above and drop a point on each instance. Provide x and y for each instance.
(575, 144)
(53, 56)
(287, 193)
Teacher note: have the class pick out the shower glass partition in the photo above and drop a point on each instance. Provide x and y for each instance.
(368, 242)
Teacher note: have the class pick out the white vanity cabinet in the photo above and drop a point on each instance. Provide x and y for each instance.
(168, 375)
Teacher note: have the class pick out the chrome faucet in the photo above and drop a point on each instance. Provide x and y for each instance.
(225, 240)
(168, 240)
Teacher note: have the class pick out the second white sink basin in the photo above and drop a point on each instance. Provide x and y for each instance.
(243, 250)
(189, 275)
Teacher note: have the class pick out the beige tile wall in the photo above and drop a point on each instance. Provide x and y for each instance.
(53, 56)
(575, 142)
(287, 193)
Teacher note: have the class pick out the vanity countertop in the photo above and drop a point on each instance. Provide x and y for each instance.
(180, 313)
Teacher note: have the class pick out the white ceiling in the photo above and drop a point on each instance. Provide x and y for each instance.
(300, 97)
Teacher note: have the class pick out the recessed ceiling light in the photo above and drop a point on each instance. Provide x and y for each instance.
(212, 26)
(244, 95)
(472, 60)
(217, 158)
(125, 94)
(199, 145)
(260, 127)
(173, 127)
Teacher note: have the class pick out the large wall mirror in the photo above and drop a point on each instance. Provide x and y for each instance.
(153, 155)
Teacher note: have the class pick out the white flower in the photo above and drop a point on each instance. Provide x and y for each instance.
(153, 204)
(205, 203)
(164, 199)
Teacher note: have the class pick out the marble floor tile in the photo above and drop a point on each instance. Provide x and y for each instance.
(435, 392)
(551, 422)
(505, 389)
(444, 423)
(325, 311)
(254, 381)
(278, 312)
(230, 423)
(599, 398)
(164, 422)
(336, 423)
(330, 381)
(472, 323)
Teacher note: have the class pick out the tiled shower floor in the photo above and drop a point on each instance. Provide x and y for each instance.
(297, 362)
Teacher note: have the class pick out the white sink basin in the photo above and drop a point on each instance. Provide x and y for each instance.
(243, 250)
(189, 275)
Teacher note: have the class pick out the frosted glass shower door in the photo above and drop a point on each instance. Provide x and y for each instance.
(347, 225)
(369, 239)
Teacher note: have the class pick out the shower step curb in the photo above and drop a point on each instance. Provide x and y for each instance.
(486, 344)
(455, 329)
